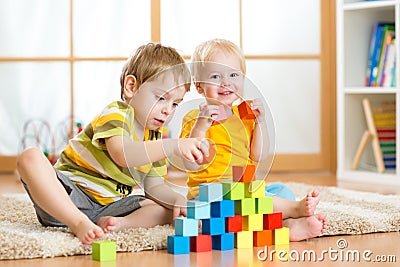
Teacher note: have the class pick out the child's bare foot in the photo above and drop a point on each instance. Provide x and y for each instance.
(87, 231)
(110, 224)
(306, 227)
(308, 204)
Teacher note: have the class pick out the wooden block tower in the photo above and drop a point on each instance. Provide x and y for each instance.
(234, 214)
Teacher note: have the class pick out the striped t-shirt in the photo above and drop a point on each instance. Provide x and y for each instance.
(87, 160)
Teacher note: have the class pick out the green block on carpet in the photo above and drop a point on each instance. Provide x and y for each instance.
(104, 250)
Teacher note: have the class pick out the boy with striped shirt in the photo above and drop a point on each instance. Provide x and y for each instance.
(89, 189)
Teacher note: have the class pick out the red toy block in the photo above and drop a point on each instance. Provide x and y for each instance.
(263, 238)
(273, 221)
(244, 174)
(200, 243)
(245, 111)
(233, 224)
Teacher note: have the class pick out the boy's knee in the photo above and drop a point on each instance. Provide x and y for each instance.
(29, 156)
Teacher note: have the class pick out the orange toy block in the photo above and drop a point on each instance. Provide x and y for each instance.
(273, 221)
(245, 111)
(244, 174)
(263, 238)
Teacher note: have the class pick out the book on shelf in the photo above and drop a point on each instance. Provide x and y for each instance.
(380, 50)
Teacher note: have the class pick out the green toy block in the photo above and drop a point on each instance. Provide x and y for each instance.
(104, 250)
(246, 206)
(264, 205)
(233, 190)
(254, 189)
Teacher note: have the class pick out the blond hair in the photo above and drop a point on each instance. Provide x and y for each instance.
(152, 59)
(206, 50)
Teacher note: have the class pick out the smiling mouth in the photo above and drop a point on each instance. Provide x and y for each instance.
(225, 93)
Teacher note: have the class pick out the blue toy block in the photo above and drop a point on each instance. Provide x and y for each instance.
(213, 226)
(186, 227)
(223, 242)
(178, 244)
(210, 192)
(198, 209)
(223, 208)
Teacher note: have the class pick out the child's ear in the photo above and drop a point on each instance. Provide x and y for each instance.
(130, 86)
(199, 89)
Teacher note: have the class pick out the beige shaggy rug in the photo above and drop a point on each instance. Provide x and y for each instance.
(21, 236)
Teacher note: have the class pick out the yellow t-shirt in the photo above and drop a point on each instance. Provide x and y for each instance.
(232, 139)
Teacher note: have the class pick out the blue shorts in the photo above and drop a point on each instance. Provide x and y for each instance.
(279, 190)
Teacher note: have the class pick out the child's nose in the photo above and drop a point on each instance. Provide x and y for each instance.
(167, 109)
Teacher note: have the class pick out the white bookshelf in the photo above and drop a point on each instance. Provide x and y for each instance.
(355, 20)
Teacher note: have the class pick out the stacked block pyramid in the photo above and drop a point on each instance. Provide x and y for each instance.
(233, 214)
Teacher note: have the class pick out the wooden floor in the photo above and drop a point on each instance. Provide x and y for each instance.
(380, 249)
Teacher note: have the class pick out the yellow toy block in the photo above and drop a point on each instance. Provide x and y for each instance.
(244, 239)
(281, 236)
(104, 250)
(253, 222)
(254, 189)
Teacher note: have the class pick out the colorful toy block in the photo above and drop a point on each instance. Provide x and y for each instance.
(234, 224)
(233, 214)
(223, 242)
(244, 174)
(213, 226)
(210, 192)
(223, 208)
(273, 221)
(264, 205)
(104, 250)
(245, 111)
(246, 206)
(281, 236)
(244, 239)
(232, 190)
(201, 243)
(198, 209)
(254, 189)
(186, 226)
(253, 222)
(263, 238)
(178, 244)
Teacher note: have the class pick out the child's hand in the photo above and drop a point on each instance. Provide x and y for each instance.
(179, 208)
(206, 116)
(258, 105)
(193, 148)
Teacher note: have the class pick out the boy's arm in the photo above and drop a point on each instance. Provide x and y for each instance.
(158, 191)
(260, 140)
(128, 153)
